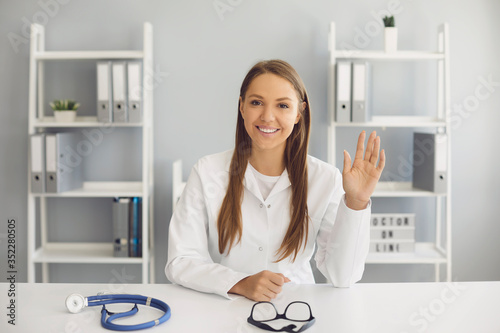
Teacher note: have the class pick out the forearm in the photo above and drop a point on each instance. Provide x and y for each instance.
(203, 276)
(343, 258)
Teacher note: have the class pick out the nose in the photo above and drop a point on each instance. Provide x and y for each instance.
(267, 114)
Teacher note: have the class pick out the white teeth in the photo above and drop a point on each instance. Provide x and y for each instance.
(265, 130)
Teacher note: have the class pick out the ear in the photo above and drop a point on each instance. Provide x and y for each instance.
(301, 111)
(241, 106)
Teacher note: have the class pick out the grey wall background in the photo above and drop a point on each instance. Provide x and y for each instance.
(201, 57)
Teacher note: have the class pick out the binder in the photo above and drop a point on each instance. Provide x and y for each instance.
(134, 76)
(343, 92)
(104, 92)
(360, 92)
(139, 227)
(37, 158)
(135, 227)
(120, 227)
(430, 162)
(64, 170)
(120, 114)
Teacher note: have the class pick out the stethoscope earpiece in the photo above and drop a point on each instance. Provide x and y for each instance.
(75, 303)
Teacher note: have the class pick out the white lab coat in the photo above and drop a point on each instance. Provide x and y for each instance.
(194, 261)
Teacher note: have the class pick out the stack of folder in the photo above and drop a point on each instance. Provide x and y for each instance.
(352, 91)
(127, 227)
(392, 233)
(119, 91)
(55, 164)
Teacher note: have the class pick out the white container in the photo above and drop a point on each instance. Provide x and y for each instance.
(391, 39)
(66, 116)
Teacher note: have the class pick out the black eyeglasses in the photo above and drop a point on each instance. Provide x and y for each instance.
(298, 311)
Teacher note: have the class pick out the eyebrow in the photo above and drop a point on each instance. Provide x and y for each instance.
(279, 99)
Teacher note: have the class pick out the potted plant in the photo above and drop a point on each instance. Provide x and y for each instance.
(390, 34)
(64, 109)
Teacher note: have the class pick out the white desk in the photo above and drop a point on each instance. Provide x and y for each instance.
(395, 307)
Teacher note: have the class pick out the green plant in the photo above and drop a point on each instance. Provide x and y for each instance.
(64, 104)
(388, 21)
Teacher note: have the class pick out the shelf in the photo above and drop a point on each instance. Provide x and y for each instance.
(142, 186)
(435, 120)
(401, 189)
(381, 55)
(87, 55)
(78, 253)
(100, 189)
(425, 253)
(80, 122)
(397, 121)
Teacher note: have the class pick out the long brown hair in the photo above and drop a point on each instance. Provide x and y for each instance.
(229, 224)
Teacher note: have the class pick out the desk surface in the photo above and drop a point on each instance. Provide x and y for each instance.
(382, 307)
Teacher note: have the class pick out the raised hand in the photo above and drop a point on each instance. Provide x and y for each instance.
(263, 286)
(360, 178)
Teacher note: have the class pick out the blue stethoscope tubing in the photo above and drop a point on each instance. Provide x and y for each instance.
(133, 299)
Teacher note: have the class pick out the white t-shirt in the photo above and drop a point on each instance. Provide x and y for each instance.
(266, 183)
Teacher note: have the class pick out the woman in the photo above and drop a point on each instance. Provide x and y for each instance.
(249, 219)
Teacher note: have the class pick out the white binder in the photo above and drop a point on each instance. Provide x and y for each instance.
(430, 162)
(134, 78)
(120, 114)
(360, 92)
(104, 92)
(64, 170)
(37, 158)
(343, 92)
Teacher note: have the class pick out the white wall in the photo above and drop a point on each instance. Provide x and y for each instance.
(201, 58)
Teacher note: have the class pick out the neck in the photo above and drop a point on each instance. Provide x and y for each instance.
(268, 162)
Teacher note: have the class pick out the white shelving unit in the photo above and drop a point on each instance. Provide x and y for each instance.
(438, 251)
(89, 253)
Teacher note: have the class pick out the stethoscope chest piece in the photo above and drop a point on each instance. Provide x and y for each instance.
(75, 303)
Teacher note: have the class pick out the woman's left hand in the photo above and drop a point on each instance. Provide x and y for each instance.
(360, 179)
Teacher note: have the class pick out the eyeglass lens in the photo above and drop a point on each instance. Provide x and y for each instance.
(265, 311)
(298, 311)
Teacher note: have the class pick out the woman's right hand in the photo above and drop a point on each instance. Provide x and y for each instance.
(263, 286)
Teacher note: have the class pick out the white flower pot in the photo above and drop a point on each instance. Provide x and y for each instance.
(66, 116)
(391, 39)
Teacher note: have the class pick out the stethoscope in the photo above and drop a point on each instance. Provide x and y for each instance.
(76, 302)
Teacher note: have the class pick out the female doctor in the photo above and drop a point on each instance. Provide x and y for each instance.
(249, 219)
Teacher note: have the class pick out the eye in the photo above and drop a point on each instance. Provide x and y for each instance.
(283, 106)
(255, 102)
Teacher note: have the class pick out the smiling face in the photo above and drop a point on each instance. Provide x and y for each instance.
(270, 110)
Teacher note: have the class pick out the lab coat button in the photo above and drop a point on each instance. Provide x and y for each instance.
(260, 248)
(268, 206)
(261, 205)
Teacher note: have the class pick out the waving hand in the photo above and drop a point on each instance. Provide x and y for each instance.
(360, 178)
